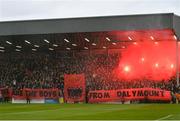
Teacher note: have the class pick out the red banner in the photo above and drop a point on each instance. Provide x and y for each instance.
(1, 93)
(36, 93)
(129, 94)
(74, 87)
(6, 92)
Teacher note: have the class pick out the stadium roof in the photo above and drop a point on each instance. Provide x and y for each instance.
(84, 33)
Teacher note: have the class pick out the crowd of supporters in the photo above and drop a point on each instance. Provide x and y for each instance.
(42, 70)
(29, 71)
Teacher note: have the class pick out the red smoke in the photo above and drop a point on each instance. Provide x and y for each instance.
(148, 60)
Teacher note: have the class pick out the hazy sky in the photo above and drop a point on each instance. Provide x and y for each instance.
(43, 9)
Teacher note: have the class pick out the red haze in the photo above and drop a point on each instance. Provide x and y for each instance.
(149, 60)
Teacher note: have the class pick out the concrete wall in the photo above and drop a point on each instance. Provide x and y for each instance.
(176, 25)
(91, 24)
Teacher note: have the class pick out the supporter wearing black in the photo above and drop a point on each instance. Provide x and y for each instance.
(28, 99)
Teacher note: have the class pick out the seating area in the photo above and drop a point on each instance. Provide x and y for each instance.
(45, 71)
